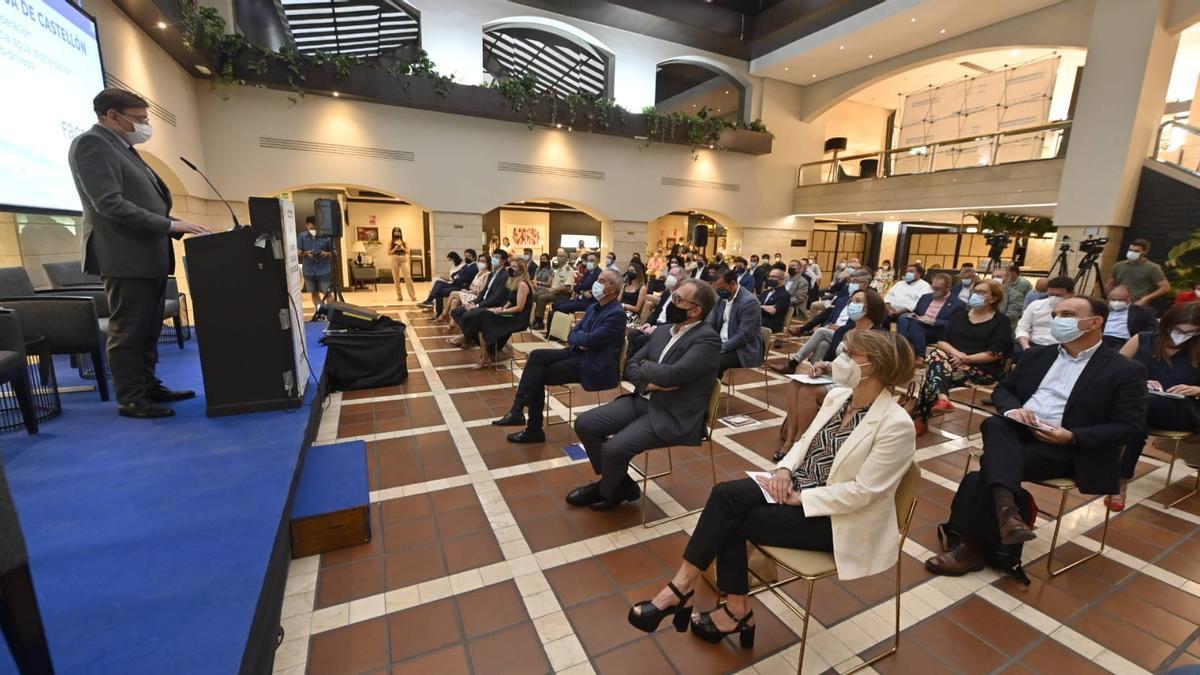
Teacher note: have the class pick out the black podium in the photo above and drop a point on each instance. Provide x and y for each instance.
(245, 288)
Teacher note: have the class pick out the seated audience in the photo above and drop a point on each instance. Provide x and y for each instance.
(829, 321)
(933, 312)
(973, 350)
(610, 263)
(1034, 325)
(761, 267)
(590, 358)
(497, 324)
(456, 299)
(1125, 319)
(965, 284)
(775, 301)
(1016, 287)
(582, 298)
(527, 256)
(558, 286)
(797, 287)
(866, 312)
(493, 295)
(633, 292)
(1039, 291)
(673, 376)
(902, 297)
(737, 318)
(456, 264)
(639, 336)
(1171, 356)
(1064, 412)
(460, 280)
(834, 491)
(882, 280)
(745, 274)
(656, 265)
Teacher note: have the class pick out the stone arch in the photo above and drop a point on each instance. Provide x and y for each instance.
(742, 82)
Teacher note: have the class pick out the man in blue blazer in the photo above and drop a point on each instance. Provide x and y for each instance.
(737, 318)
(582, 298)
(928, 320)
(775, 301)
(745, 275)
(590, 358)
(459, 281)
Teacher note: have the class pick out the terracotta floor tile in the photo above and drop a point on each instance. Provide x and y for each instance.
(449, 661)
(470, 551)
(548, 532)
(1123, 638)
(912, 657)
(453, 498)
(602, 624)
(515, 651)
(396, 510)
(371, 549)
(414, 565)
(1183, 564)
(349, 582)
(956, 646)
(492, 608)
(630, 565)
(640, 657)
(422, 629)
(409, 534)
(993, 625)
(358, 648)
(1175, 600)
(695, 657)
(579, 581)
(1148, 617)
(460, 522)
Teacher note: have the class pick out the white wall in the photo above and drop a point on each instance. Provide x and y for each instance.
(408, 218)
(538, 220)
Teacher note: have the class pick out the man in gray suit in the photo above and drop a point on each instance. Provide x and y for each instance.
(673, 376)
(738, 320)
(127, 233)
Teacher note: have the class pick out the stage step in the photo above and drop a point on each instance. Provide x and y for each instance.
(330, 510)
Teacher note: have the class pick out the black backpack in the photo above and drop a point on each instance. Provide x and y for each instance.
(982, 527)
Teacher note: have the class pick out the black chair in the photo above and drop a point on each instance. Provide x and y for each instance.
(15, 283)
(171, 306)
(70, 326)
(13, 368)
(69, 273)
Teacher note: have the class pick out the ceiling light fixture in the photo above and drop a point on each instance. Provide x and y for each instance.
(203, 70)
(942, 31)
(870, 56)
(558, 125)
(913, 20)
(162, 24)
(785, 69)
(335, 94)
(841, 47)
(814, 76)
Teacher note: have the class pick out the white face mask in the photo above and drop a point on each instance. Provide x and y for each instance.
(141, 131)
(670, 282)
(846, 372)
(312, 231)
(1179, 337)
(1132, 255)
(1118, 305)
(1054, 300)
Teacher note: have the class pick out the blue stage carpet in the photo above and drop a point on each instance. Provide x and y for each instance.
(149, 540)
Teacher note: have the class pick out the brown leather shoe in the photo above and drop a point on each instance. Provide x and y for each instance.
(1013, 530)
(956, 562)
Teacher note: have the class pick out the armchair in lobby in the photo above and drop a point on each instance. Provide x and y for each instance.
(13, 370)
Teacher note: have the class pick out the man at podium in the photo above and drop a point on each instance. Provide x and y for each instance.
(126, 239)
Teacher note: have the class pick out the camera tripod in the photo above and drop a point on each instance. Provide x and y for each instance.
(1060, 268)
(1087, 267)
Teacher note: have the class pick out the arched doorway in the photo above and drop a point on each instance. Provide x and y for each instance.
(709, 231)
(689, 84)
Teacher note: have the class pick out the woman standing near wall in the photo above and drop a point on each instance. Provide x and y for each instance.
(399, 253)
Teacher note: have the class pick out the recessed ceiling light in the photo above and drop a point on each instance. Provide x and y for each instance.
(693, 105)
(203, 70)
(913, 20)
(785, 69)
(726, 91)
(162, 24)
(718, 110)
(942, 31)
(814, 76)
(335, 94)
(870, 56)
(841, 47)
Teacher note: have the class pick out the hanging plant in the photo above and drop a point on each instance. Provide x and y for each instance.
(1183, 263)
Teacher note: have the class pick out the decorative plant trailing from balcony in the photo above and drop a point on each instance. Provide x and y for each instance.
(1183, 264)
(204, 31)
(1013, 224)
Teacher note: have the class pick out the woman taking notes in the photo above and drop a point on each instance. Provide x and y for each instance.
(834, 491)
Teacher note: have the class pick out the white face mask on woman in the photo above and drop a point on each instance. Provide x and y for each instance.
(846, 372)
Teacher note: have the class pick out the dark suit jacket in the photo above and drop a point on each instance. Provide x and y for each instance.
(780, 300)
(496, 291)
(953, 306)
(1141, 318)
(745, 328)
(126, 228)
(839, 303)
(598, 338)
(1106, 408)
(677, 417)
(585, 284)
(747, 281)
(760, 275)
(658, 308)
(464, 276)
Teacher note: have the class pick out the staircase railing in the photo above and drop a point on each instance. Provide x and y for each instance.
(1178, 144)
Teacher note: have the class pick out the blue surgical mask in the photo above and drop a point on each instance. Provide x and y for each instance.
(597, 289)
(853, 287)
(591, 265)
(910, 277)
(495, 261)
(977, 301)
(723, 294)
(1065, 329)
(855, 311)
(968, 282)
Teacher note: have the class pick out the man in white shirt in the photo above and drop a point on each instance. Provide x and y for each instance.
(673, 377)
(1125, 319)
(638, 337)
(1067, 410)
(1034, 326)
(902, 297)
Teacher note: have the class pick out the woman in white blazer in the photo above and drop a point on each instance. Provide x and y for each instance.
(834, 491)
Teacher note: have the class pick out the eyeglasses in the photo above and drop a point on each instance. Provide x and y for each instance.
(142, 119)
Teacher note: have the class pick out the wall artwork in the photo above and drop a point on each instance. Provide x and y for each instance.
(367, 234)
(527, 237)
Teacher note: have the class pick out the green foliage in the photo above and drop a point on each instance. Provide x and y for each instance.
(1013, 224)
(700, 129)
(518, 91)
(1183, 264)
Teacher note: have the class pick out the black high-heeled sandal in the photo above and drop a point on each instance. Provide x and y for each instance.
(646, 617)
(704, 628)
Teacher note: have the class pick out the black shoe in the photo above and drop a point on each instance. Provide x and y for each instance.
(627, 491)
(528, 435)
(510, 420)
(143, 410)
(704, 628)
(585, 496)
(161, 394)
(645, 617)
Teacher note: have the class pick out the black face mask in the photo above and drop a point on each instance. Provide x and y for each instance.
(675, 314)
(630, 276)
(772, 283)
(793, 271)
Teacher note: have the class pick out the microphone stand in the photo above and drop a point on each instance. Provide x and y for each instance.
(193, 167)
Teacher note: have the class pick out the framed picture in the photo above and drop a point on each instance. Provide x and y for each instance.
(526, 237)
(367, 233)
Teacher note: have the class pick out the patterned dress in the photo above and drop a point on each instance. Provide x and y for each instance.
(814, 468)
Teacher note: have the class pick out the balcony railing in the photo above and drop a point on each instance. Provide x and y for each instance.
(1045, 141)
(1178, 144)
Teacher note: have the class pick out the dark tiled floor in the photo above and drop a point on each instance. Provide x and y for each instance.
(414, 539)
(383, 416)
(417, 383)
(497, 452)
(413, 459)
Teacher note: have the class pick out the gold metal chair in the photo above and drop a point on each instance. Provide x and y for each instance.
(560, 328)
(812, 566)
(1178, 437)
(727, 380)
(571, 387)
(710, 426)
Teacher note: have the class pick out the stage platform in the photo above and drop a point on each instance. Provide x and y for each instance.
(152, 542)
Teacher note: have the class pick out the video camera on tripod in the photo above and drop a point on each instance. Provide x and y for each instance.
(1092, 246)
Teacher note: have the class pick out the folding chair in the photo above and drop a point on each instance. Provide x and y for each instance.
(560, 328)
(1178, 437)
(571, 387)
(727, 380)
(812, 566)
(710, 426)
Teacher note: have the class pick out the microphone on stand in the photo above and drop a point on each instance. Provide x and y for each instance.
(193, 167)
